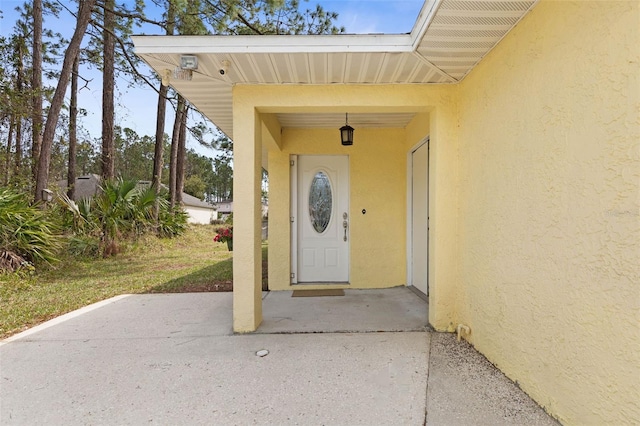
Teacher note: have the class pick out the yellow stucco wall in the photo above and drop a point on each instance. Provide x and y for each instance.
(534, 201)
(417, 129)
(377, 164)
(443, 209)
(247, 258)
(381, 233)
(549, 213)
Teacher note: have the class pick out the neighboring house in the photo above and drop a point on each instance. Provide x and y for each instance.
(495, 166)
(198, 211)
(224, 208)
(86, 186)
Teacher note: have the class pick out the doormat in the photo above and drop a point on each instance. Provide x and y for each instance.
(318, 293)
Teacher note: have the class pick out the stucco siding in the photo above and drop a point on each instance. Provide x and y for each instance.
(378, 185)
(443, 212)
(279, 221)
(549, 213)
(200, 215)
(378, 161)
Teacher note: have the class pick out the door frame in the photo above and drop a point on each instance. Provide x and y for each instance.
(293, 211)
(409, 246)
(293, 207)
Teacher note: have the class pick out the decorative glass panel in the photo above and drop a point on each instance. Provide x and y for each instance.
(320, 202)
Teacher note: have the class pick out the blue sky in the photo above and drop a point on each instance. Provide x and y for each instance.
(374, 16)
(135, 108)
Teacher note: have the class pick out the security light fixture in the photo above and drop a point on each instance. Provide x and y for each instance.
(346, 132)
(189, 62)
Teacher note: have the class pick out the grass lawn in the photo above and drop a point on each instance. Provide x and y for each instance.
(191, 262)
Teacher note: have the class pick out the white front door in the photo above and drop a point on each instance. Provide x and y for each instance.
(322, 219)
(420, 218)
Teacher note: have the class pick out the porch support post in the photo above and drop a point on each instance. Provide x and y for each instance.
(247, 215)
(272, 132)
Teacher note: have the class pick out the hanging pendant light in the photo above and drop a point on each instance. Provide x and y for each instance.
(346, 132)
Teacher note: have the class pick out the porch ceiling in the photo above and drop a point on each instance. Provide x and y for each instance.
(449, 38)
(336, 120)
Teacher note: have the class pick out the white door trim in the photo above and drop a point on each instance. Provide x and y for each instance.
(307, 269)
(293, 161)
(409, 244)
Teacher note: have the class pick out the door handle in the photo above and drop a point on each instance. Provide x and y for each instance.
(345, 224)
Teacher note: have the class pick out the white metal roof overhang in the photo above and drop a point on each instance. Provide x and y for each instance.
(449, 38)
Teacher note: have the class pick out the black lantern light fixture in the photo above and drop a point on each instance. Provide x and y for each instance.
(346, 132)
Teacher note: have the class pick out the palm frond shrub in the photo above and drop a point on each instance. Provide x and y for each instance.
(85, 246)
(76, 217)
(171, 222)
(122, 211)
(81, 226)
(142, 210)
(26, 231)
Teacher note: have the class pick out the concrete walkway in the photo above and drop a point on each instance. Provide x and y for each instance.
(172, 359)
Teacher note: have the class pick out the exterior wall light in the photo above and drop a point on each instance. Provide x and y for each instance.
(346, 132)
(189, 62)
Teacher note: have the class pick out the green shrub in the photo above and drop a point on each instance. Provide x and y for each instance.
(25, 231)
(122, 212)
(77, 218)
(171, 223)
(84, 246)
(141, 213)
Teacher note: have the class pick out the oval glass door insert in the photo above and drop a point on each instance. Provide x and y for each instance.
(320, 202)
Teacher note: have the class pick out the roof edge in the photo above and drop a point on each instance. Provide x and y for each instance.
(426, 15)
(335, 43)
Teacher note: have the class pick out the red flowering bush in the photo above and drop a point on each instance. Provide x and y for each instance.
(224, 234)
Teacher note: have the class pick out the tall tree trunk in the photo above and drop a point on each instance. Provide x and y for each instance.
(158, 160)
(73, 129)
(17, 163)
(36, 87)
(7, 173)
(18, 116)
(180, 163)
(173, 161)
(108, 81)
(84, 14)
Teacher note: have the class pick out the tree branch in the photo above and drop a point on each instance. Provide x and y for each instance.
(239, 15)
(130, 61)
(142, 18)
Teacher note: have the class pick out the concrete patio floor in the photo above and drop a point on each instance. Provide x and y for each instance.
(173, 359)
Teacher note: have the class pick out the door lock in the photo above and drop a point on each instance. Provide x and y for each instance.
(345, 224)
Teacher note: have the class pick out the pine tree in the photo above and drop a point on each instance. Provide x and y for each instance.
(84, 15)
